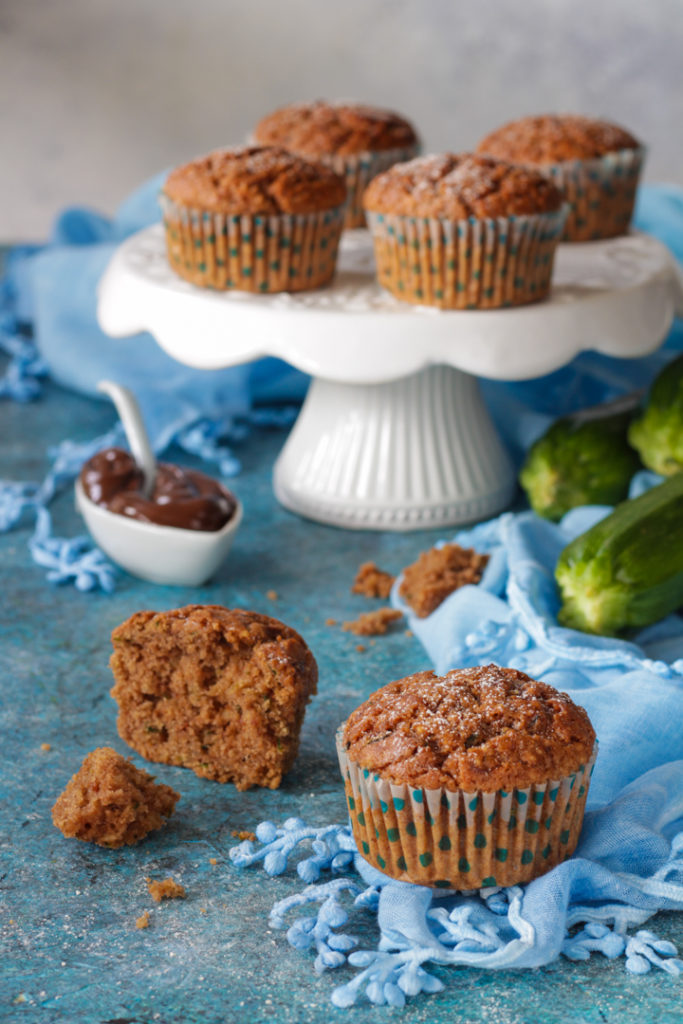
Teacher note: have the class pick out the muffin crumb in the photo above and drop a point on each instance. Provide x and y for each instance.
(437, 573)
(166, 889)
(361, 648)
(371, 581)
(45, 747)
(272, 595)
(112, 803)
(330, 622)
(143, 920)
(373, 623)
(243, 834)
(213, 861)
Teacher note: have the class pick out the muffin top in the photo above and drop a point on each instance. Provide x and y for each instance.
(485, 728)
(551, 139)
(224, 629)
(457, 186)
(255, 180)
(324, 129)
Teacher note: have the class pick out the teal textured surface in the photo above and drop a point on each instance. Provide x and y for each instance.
(70, 948)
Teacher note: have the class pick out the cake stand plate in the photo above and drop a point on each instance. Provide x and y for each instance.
(393, 433)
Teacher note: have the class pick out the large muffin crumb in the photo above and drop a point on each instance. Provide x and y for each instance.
(221, 691)
(485, 728)
(166, 889)
(555, 138)
(255, 180)
(437, 573)
(320, 128)
(111, 802)
(458, 186)
(371, 581)
(373, 623)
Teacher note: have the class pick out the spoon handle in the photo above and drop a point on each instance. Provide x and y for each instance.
(134, 426)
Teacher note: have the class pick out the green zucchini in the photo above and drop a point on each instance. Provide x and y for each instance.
(584, 459)
(657, 433)
(626, 572)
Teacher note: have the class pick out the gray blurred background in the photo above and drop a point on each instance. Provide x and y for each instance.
(98, 95)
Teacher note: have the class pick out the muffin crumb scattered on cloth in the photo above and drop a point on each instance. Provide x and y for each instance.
(166, 889)
(371, 581)
(112, 803)
(373, 623)
(143, 920)
(437, 573)
(243, 833)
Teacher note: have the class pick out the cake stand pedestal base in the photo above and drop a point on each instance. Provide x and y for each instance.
(410, 454)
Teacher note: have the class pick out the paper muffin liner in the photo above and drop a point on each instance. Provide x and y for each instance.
(358, 170)
(253, 253)
(466, 264)
(459, 840)
(600, 193)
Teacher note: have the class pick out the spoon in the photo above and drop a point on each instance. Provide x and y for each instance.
(134, 426)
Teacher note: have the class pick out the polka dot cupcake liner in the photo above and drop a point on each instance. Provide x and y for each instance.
(600, 193)
(252, 253)
(459, 840)
(358, 170)
(468, 264)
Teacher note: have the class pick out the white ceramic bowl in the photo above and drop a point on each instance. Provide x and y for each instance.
(160, 554)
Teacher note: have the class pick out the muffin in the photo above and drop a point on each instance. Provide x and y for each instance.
(256, 219)
(594, 163)
(356, 141)
(221, 691)
(474, 779)
(112, 803)
(461, 231)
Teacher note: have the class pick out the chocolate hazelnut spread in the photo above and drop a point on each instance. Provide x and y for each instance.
(183, 498)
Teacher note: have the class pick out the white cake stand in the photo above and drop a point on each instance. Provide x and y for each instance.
(393, 433)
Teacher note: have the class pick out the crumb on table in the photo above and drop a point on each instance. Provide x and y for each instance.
(330, 622)
(373, 623)
(46, 747)
(166, 889)
(360, 648)
(272, 595)
(213, 861)
(112, 803)
(143, 920)
(243, 833)
(437, 573)
(371, 581)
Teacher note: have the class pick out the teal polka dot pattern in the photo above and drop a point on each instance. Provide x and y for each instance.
(473, 264)
(463, 865)
(444, 843)
(425, 859)
(261, 254)
(479, 841)
(527, 857)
